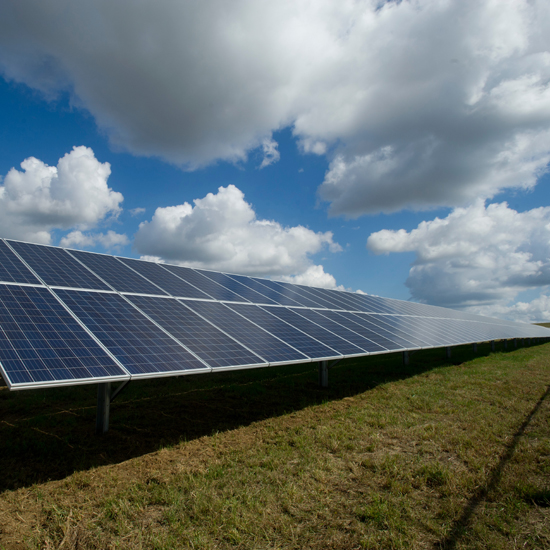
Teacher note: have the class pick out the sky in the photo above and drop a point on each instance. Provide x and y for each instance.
(396, 148)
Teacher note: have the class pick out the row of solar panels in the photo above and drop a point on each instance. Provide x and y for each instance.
(59, 334)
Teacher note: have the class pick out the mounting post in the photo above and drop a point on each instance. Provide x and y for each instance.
(405, 357)
(103, 405)
(505, 344)
(515, 342)
(492, 345)
(474, 347)
(323, 374)
(448, 352)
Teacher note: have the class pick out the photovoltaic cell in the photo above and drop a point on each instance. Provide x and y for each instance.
(56, 267)
(141, 346)
(253, 337)
(360, 341)
(211, 288)
(201, 337)
(274, 294)
(12, 269)
(292, 336)
(116, 273)
(164, 279)
(235, 286)
(40, 342)
(293, 293)
(401, 325)
(316, 331)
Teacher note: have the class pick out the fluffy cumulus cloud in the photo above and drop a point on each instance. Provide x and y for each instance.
(480, 257)
(41, 198)
(417, 103)
(221, 232)
(110, 240)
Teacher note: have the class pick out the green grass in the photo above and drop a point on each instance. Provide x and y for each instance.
(433, 455)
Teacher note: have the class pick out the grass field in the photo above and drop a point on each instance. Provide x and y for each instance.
(438, 454)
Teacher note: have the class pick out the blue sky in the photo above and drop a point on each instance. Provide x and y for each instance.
(351, 145)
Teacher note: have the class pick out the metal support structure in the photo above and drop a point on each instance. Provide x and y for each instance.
(505, 344)
(474, 347)
(448, 352)
(103, 405)
(323, 374)
(492, 345)
(515, 342)
(405, 357)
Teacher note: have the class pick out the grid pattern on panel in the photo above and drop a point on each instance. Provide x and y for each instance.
(211, 288)
(316, 331)
(116, 273)
(402, 326)
(166, 280)
(41, 342)
(340, 330)
(12, 269)
(294, 293)
(383, 331)
(133, 339)
(209, 343)
(297, 339)
(266, 290)
(253, 337)
(362, 330)
(322, 295)
(57, 267)
(235, 286)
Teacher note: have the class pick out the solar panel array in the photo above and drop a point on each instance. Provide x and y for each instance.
(71, 317)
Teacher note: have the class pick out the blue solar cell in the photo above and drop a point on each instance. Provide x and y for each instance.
(343, 319)
(292, 336)
(384, 330)
(141, 346)
(258, 285)
(12, 269)
(114, 272)
(165, 279)
(252, 336)
(235, 286)
(218, 292)
(351, 336)
(405, 327)
(327, 300)
(200, 336)
(56, 267)
(316, 331)
(40, 342)
(296, 295)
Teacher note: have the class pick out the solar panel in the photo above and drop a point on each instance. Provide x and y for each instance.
(293, 293)
(142, 347)
(115, 273)
(235, 286)
(41, 344)
(12, 269)
(165, 279)
(258, 286)
(261, 342)
(316, 331)
(56, 267)
(209, 343)
(213, 289)
(369, 346)
(287, 333)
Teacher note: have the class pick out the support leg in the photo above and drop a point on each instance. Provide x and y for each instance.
(448, 352)
(323, 374)
(492, 345)
(505, 344)
(474, 347)
(515, 342)
(103, 405)
(405, 357)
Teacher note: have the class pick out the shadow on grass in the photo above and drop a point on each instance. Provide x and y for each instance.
(541, 498)
(49, 434)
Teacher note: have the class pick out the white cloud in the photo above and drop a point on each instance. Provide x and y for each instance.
(137, 211)
(481, 257)
(418, 103)
(314, 275)
(110, 240)
(221, 232)
(271, 153)
(41, 198)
